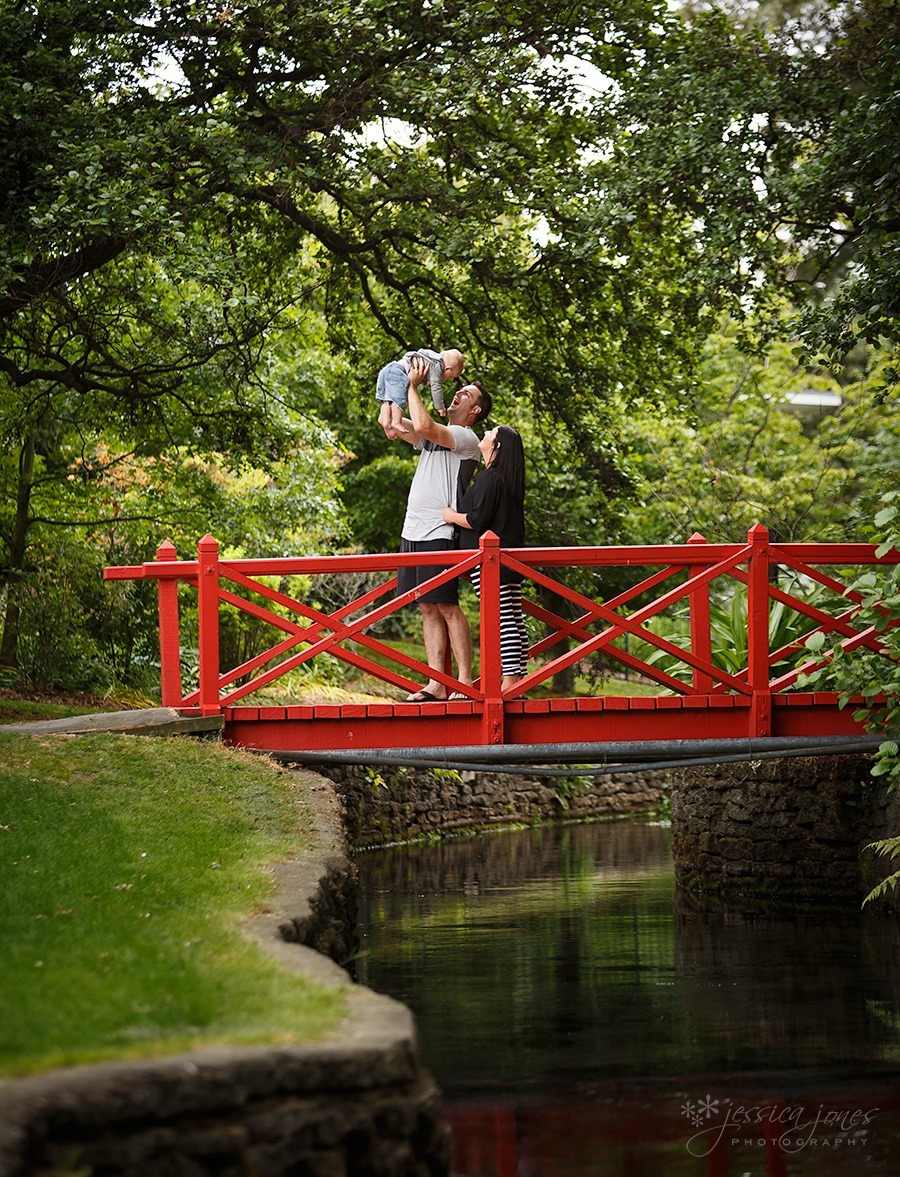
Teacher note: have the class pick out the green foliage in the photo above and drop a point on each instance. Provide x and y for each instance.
(887, 848)
(389, 780)
(450, 775)
(375, 779)
(847, 186)
(127, 868)
(773, 147)
(219, 222)
(375, 501)
(745, 454)
(868, 675)
(729, 629)
(75, 634)
(568, 787)
(91, 506)
(865, 674)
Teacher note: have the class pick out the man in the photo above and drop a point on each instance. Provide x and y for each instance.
(449, 455)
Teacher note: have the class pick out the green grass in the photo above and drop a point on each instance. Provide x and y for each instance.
(366, 688)
(17, 708)
(126, 866)
(23, 710)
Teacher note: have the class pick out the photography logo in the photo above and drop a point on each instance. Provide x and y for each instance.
(723, 1123)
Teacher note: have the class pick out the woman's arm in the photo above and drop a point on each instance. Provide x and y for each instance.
(480, 501)
(457, 517)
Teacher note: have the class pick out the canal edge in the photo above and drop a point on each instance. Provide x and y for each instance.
(360, 1096)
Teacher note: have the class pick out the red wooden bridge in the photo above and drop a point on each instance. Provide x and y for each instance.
(663, 628)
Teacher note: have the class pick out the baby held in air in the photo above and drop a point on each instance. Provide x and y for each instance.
(393, 383)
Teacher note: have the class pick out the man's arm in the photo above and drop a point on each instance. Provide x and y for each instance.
(423, 424)
(410, 436)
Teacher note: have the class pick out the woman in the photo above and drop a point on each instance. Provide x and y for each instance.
(495, 502)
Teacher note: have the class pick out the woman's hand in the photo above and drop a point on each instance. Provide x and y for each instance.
(457, 517)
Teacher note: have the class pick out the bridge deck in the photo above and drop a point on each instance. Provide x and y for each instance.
(609, 718)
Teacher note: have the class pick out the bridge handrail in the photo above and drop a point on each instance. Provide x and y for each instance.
(750, 563)
(679, 555)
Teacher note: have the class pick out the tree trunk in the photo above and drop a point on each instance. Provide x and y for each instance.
(9, 644)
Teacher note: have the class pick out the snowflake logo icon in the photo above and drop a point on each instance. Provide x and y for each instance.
(692, 1111)
(708, 1106)
(700, 1111)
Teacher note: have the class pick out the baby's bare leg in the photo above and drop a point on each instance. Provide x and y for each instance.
(384, 420)
(397, 419)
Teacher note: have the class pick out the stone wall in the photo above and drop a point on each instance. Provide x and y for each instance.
(778, 834)
(383, 805)
(361, 1106)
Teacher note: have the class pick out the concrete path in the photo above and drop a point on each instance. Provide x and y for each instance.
(150, 721)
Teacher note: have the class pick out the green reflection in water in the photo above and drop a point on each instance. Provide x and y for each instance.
(572, 1010)
(562, 952)
(519, 953)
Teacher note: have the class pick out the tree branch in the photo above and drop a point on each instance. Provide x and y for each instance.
(43, 276)
(100, 522)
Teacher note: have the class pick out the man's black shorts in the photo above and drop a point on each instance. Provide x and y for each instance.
(408, 578)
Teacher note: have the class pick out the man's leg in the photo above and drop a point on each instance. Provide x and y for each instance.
(457, 626)
(434, 637)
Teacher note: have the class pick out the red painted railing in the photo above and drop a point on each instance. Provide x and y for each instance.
(676, 574)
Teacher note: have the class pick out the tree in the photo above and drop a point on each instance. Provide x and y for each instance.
(155, 232)
(776, 149)
(175, 179)
(129, 365)
(456, 233)
(745, 454)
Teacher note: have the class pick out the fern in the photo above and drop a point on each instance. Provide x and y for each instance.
(887, 848)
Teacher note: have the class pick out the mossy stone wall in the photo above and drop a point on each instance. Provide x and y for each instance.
(779, 834)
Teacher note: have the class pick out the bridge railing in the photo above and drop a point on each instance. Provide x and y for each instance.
(619, 628)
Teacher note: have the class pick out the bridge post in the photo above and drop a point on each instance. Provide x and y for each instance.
(758, 631)
(208, 621)
(169, 637)
(489, 639)
(701, 637)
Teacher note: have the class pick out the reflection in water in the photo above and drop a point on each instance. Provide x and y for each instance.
(579, 1024)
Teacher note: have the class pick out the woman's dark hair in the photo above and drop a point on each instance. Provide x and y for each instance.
(509, 462)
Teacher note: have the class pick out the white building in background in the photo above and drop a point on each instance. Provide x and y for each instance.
(812, 404)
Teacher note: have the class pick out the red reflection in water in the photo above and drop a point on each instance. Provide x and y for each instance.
(748, 1133)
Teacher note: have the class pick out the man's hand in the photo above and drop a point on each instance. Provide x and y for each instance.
(424, 425)
(418, 370)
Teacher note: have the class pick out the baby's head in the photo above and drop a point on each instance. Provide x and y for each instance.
(453, 363)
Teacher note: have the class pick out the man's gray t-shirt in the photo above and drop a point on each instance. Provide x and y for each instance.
(435, 482)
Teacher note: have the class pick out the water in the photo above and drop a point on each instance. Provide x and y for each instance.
(580, 1022)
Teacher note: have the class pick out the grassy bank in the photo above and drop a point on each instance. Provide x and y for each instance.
(126, 866)
(15, 709)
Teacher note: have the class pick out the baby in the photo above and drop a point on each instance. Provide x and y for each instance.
(393, 382)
